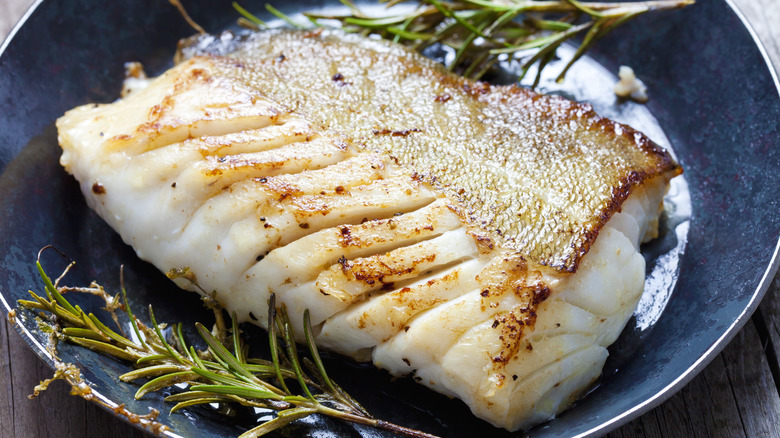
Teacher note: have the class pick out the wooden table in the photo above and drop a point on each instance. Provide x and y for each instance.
(735, 396)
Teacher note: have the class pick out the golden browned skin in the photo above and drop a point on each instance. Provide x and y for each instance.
(540, 174)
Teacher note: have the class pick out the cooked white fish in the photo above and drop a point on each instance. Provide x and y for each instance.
(482, 239)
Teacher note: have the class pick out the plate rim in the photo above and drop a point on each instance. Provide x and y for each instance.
(605, 426)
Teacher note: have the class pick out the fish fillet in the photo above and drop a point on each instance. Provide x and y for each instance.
(482, 239)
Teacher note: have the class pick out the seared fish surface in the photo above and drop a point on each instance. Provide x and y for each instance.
(483, 239)
(541, 172)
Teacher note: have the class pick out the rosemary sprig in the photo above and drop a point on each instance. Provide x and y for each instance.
(222, 373)
(484, 32)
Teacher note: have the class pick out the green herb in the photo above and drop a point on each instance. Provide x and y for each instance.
(221, 374)
(483, 32)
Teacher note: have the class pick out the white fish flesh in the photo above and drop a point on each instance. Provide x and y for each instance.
(482, 239)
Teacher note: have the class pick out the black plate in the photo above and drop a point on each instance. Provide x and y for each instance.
(712, 94)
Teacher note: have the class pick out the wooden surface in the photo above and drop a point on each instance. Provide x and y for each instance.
(735, 396)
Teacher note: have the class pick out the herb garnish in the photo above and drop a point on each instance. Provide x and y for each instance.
(221, 374)
(485, 32)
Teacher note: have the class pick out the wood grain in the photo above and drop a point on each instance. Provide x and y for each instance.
(735, 396)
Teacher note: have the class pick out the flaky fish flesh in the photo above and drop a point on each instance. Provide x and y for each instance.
(483, 239)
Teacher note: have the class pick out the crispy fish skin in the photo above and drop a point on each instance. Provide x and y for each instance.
(208, 170)
(543, 172)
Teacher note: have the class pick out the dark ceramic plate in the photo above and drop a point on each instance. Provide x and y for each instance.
(723, 118)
